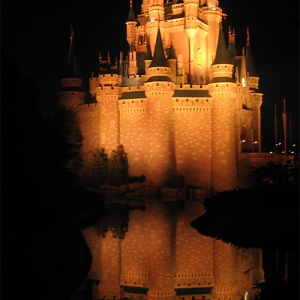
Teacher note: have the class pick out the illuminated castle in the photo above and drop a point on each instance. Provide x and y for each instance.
(181, 102)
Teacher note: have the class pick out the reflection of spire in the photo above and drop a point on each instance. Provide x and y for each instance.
(248, 36)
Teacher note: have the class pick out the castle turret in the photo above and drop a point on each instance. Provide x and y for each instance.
(131, 26)
(212, 14)
(251, 72)
(223, 91)
(71, 93)
(107, 94)
(159, 89)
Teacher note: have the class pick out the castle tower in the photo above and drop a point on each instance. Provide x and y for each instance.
(223, 91)
(212, 14)
(159, 89)
(131, 30)
(107, 94)
(131, 26)
(71, 93)
(191, 18)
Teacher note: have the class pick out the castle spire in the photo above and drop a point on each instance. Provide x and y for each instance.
(159, 59)
(131, 16)
(71, 70)
(222, 56)
(249, 61)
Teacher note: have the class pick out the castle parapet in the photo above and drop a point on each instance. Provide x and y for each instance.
(109, 79)
(193, 279)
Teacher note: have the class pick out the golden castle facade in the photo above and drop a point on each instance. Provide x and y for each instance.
(182, 102)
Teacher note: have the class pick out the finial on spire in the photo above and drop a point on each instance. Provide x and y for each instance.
(243, 51)
(72, 35)
(130, 3)
(248, 36)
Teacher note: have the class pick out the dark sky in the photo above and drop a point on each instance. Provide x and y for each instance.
(37, 34)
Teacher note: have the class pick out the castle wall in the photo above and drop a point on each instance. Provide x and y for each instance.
(192, 119)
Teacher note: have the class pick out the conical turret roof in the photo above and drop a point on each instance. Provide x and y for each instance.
(171, 54)
(222, 56)
(249, 63)
(159, 59)
(71, 70)
(131, 16)
(148, 54)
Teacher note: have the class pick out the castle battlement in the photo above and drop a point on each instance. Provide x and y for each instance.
(89, 106)
(191, 87)
(132, 88)
(193, 279)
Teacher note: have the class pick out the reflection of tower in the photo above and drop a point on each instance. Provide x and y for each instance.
(159, 89)
(223, 91)
(109, 287)
(71, 94)
(225, 272)
(162, 251)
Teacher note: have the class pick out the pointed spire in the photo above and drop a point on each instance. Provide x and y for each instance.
(243, 65)
(71, 70)
(222, 56)
(148, 54)
(171, 54)
(249, 61)
(248, 37)
(159, 59)
(131, 16)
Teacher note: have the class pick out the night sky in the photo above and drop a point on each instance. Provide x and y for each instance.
(36, 33)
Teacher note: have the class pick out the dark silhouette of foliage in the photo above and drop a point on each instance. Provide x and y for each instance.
(133, 179)
(278, 173)
(118, 167)
(95, 170)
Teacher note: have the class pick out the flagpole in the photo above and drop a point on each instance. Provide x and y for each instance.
(284, 128)
(275, 121)
(290, 130)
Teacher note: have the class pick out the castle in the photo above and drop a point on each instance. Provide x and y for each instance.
(182, 102)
